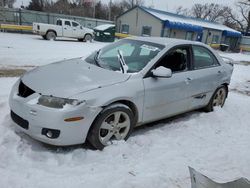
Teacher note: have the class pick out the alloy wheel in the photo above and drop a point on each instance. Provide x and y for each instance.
(114, 127)
(219, 97)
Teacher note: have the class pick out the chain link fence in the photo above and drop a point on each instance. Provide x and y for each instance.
(27, 17)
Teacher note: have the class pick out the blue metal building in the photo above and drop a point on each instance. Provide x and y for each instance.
(142, 21)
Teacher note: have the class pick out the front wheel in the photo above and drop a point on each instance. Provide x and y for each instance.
(115, 122)
(218, 99)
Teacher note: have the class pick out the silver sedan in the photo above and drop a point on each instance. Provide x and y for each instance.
(126, 84)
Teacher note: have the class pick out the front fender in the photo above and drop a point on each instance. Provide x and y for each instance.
(131, 90)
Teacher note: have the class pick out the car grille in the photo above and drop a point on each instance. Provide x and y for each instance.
(24, 91)
(19, 121)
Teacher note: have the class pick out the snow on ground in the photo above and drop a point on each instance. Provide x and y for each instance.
(33, 50)
(157, 155)
(238, 57)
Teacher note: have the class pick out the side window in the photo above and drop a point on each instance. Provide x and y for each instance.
(146, 31)
(59, 22)
(67, 23)
(203, 58)
(125, 28)
(74, 24)
(177, 59)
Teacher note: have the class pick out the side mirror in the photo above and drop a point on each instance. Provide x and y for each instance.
(162, 72)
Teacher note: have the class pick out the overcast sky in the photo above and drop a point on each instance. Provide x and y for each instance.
(167, 5)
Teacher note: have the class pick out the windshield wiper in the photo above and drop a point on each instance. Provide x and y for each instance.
(96, 58)
(124, 66)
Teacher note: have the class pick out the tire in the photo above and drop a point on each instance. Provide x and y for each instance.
(218, 99)
(51, 35)
(88, 37)
(115, 122)
(80, 40)
(44, 37)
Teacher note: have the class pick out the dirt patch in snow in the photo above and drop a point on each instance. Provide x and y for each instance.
(244, 92)
(244, 62)
(11, 72)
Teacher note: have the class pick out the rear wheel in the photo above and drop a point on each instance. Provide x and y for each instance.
(88, 37)
(51, 35)
(218, 99)
(115, 122)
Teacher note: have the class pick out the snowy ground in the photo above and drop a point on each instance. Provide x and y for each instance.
(32, 50)
(157, 155)
(237, 57)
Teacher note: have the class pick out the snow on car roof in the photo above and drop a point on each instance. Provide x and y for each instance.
(104, 27)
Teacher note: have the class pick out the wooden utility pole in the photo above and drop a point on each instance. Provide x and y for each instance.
(93, 8)
(110, 5)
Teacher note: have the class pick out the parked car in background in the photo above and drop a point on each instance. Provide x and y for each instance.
(126, 84)
(63, 28)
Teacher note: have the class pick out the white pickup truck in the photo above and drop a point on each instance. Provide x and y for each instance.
(63, 28)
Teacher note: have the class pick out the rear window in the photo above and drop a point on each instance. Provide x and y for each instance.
(59, 22)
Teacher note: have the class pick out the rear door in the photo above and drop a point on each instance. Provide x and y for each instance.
(67, 29)
(205, 77)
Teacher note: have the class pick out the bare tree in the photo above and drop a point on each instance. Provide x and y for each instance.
(84, 8)
(37, 5)
(211, 12)
(214, 12)
(7, 3)
(128, 4)
(182, 11)
(243, 20)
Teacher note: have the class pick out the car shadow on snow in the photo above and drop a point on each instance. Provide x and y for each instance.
(166, 122)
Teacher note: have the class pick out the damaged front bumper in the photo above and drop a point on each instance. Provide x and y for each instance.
(48, 125)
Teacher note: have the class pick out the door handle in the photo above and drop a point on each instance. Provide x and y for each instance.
(219, 73)
(188, 80)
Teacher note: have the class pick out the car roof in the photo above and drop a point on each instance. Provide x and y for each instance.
(167, 41)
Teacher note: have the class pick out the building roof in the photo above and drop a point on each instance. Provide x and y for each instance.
(187, 23)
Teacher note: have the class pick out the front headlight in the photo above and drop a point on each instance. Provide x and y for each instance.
(56, 102)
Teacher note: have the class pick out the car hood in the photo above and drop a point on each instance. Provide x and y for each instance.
(70, 77)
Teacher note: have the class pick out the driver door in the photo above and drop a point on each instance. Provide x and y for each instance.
(76, 31)
(165, 97)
